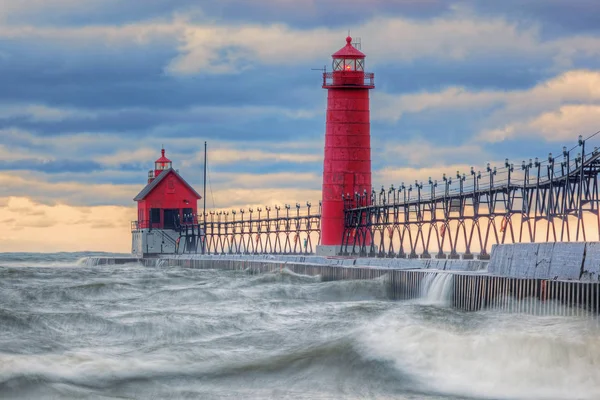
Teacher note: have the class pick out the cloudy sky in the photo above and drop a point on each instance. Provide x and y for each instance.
(91, 89)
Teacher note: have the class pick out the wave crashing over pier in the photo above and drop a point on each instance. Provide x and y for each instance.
(437, 288)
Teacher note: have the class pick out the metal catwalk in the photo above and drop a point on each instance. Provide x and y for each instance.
(551, 200)
(555, 199)
(255, 231)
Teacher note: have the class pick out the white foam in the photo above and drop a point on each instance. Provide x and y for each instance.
(83, 367)
(88, 262)
(309, 278)
(436, 288)
(520, 358)
(37, 264)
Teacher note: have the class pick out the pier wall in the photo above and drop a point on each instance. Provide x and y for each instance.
(463, 284)
(552, 261)
(153, 242)
(386, 263)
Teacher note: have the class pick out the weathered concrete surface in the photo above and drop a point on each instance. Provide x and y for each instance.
(544, 256)
(153, 241)
(385, 263)
(500, 261)
(555, 261)
(566, 262)
(591, 265)
(550, 261)
(327, 251)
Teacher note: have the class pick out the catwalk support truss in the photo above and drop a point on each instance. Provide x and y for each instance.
(255, 231)
(552, 200)
(540, 201)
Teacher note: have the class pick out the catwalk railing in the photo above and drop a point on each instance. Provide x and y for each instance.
(277, 230)
(555, 199)
(551, 200)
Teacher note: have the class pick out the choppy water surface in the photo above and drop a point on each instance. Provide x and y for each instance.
(68, 330)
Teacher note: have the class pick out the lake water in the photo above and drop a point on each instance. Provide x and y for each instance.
(72, 330)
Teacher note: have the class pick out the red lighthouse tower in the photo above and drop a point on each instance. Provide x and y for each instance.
(347, 163)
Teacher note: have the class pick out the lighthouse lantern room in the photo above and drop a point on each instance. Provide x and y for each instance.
(164, 204)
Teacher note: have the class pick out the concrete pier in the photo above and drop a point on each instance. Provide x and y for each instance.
(554, 261)
(511, 282)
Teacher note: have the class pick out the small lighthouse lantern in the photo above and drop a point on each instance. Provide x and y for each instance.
(162, 163)
(348, 68)
(349, 58)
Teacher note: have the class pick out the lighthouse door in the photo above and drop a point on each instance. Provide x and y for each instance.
(170, 216)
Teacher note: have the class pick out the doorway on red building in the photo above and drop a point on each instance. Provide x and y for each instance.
(170, 218)
(155, 218)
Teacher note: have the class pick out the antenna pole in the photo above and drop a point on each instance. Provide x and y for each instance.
(204, 200)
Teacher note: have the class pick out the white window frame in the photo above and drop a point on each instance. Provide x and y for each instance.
(360, 64)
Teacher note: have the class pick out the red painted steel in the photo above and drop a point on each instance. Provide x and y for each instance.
(171, 193)
(162, 163)
(347, 161)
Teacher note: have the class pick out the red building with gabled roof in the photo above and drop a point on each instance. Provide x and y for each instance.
(166, 202)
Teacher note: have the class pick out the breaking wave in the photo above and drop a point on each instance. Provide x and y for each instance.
(491, 355)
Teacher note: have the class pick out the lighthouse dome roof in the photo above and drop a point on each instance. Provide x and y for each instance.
(348, 51)
(162, 158)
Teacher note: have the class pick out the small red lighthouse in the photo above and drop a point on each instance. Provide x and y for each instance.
(347, 162)
(166, 202)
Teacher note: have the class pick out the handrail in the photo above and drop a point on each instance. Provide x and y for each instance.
(348, 78)
(557, 170)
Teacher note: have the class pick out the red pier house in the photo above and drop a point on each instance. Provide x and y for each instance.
(347, 162)
(166, 202)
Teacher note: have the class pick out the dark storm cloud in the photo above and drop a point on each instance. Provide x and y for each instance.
(167, 125)
(263, 167)
(93, 12)
(492, 72)
(131, 167)
(93, 77)
(106, 176)
(555, 16)
(125, 93)
(341, 14)
(565, 15)
(134, 76)
(301, 13)
(51, 166)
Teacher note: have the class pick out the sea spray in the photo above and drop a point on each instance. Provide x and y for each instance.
(436, 288)
(489, 355)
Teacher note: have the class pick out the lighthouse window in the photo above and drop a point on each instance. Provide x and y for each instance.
(348, 64)
(338, 64)
(162, 165)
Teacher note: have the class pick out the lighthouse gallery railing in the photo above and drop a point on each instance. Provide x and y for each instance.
(328, 78)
